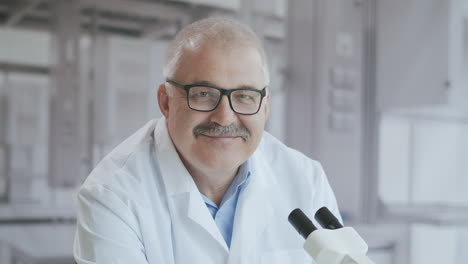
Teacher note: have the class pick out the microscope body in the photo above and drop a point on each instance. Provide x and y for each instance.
(334, 244)
(337, 246)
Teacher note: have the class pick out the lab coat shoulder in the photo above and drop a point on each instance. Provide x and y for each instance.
(113, 200)
(299, 175)
(121, 157)
(125, 169)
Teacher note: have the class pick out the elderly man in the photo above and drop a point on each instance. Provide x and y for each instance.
(205, 183)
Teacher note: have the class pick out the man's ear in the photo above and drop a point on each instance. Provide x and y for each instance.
(163, 100)
(267, 102)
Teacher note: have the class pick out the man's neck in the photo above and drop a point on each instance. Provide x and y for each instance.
(213, 183)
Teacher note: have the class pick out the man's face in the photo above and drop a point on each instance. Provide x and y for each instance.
(237, 67)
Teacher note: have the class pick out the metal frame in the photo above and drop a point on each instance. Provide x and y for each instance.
(370, 116)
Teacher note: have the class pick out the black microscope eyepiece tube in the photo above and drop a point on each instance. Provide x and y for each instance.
(326, 219)
(301, 223)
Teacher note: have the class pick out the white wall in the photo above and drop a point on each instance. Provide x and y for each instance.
(423, 162)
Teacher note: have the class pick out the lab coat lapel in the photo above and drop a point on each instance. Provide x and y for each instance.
(253, 213)
(198, 212)
(184, 196)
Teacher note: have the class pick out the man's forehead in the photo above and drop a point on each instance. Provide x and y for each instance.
(209, 65)
(245, 85)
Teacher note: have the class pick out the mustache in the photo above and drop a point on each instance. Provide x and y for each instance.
(216, 130)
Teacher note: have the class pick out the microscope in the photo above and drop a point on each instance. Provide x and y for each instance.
(334, 244)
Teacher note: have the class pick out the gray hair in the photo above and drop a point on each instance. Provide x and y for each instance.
(221, 31)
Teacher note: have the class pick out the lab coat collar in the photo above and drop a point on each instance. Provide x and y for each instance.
(183, 193)
(254, 211)
(254, 208)
(176, 177)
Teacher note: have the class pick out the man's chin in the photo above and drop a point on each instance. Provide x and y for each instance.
(220, 162)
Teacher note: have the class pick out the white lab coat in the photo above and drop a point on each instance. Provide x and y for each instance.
(140, 205)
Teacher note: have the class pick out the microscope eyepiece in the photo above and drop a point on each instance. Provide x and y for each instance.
(326, 219)
(301, 223)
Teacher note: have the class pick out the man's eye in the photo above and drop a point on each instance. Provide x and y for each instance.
(204, 94)
(245, 98)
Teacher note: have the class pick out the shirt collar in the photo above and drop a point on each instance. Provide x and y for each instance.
(239, 180)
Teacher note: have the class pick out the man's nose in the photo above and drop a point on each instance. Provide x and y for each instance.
(223, 114)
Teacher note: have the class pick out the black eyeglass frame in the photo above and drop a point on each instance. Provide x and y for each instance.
(226, 92)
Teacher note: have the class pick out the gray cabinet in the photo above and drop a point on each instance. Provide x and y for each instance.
(421, 54)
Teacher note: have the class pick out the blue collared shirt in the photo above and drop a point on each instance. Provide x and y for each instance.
(224, 214)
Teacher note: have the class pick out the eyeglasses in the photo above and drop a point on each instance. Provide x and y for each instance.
(206, 98)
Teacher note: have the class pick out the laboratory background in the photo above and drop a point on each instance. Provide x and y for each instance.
(376, 90)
